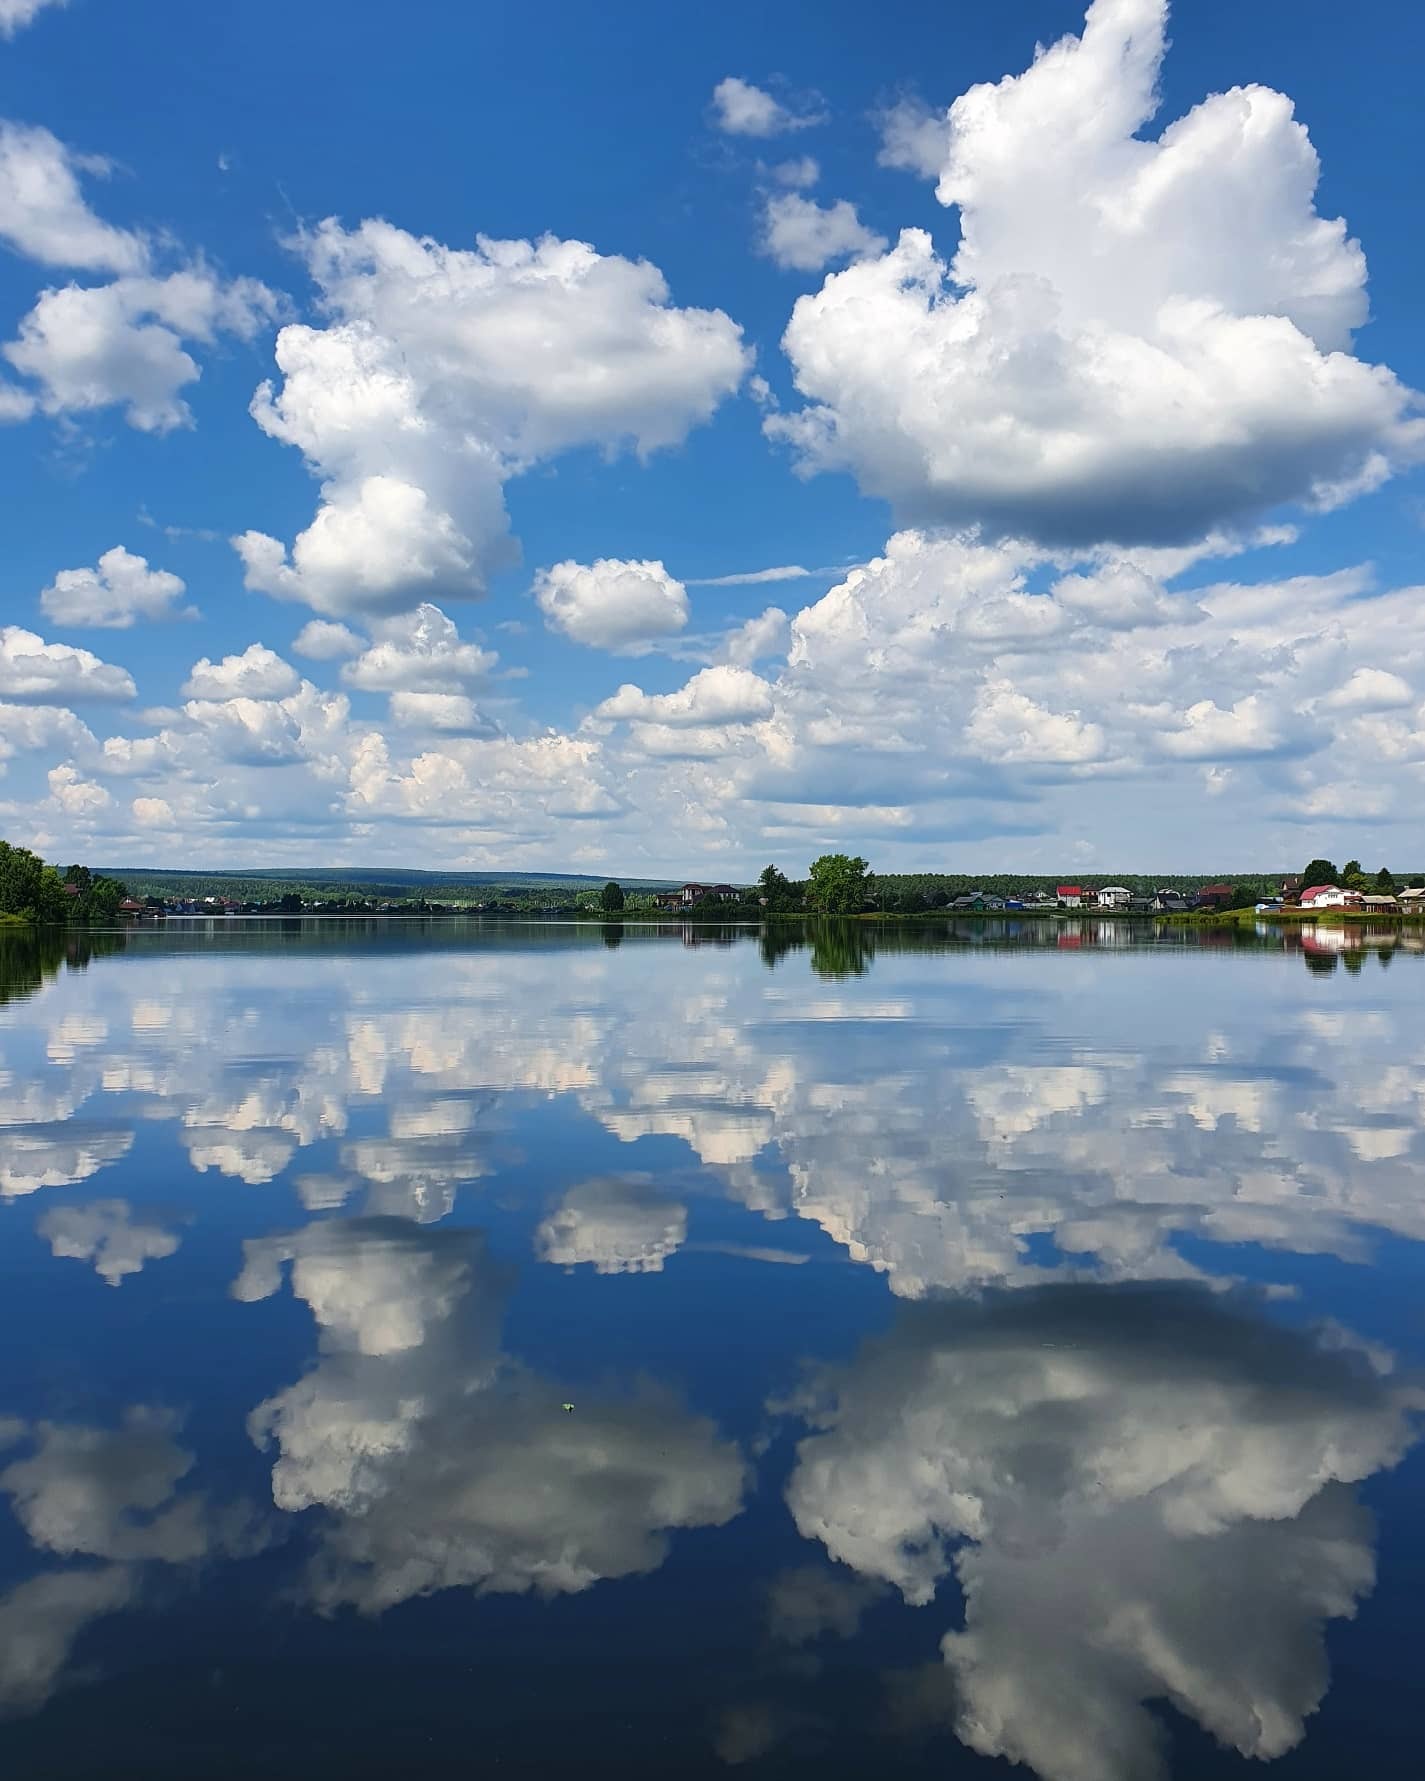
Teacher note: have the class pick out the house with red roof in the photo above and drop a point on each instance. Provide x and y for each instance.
(1329, 896)
(1071, 896)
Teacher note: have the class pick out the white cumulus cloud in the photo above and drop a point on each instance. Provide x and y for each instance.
(742, 109)
(1137, 340)
(801, 235)
(49, 673)
(443, 372)
(611, 604)
(258, 673)
(123, 344)
(719, 695)
(115, 594)
(43, 213)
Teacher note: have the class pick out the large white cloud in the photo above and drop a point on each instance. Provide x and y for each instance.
(445, 371)
(1143, 1496)
(120, 590)
(611, 604)
(1137, 340)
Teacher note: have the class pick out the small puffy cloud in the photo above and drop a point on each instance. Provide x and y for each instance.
(258, 673)
(1138, 340)
(757, 638)
(109, 1234)
(16, 14)
(1207, 732)
(741, 109)
(322, 640)
(75, 796)
(798, 173)
(914, 138)
(419, 651)
(56, 673)
(152, 813)
(120, 590)
(445, 714)
(43, 214)
(26, 727)
(122, 344)
(442, 373)
(714, 696)
(1121, 596)
(618, 1223)
(1370, 689)
(1006, 725)
(41, 1620)
(610, 603)
(811, 1602)
(108, 1493)
(33, 1157)
(799, 234)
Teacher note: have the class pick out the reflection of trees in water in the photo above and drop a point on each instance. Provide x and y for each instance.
(612, 934)
(841, 948)
(776, 940)
(29, 957)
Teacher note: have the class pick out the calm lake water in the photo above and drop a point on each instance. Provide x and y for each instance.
(981, 1343)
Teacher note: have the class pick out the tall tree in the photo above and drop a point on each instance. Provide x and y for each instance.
(1319, 872)
(773, 889)
(611, 898)
(1385, 879)
(838, 884)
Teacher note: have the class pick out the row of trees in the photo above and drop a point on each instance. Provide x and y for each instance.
(31, 891)
(1350, 877)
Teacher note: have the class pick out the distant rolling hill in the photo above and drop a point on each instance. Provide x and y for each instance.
(249, 884)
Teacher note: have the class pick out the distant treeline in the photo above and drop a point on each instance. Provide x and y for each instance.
(359, 887)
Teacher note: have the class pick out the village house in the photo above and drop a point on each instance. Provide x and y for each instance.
(1215, 896)
(1330, 896)
(709, 893)
(1071, 896)
(1115, 896)
(1412, 901)
(1377, 903)
(1167, 901)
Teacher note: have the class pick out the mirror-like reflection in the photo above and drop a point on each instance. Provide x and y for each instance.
(966, 1341)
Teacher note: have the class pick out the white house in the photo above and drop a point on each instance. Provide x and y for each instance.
(1330, 896)
(1115, 896)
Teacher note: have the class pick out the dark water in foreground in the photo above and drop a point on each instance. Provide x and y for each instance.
(979, 1345)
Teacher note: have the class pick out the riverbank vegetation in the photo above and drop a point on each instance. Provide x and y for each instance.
(33, 893)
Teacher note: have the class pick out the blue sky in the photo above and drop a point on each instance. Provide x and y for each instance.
(1147, 449)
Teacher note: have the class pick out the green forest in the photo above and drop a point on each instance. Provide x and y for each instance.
(33, 892)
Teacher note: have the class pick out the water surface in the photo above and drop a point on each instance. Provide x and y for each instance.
(544, 1349)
